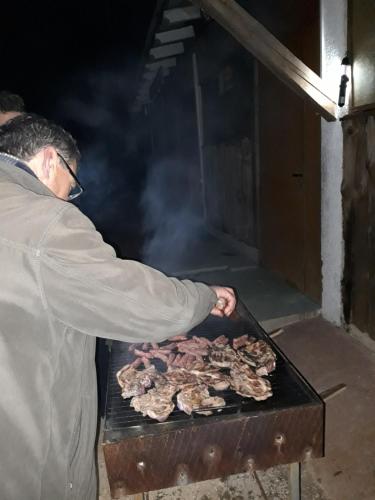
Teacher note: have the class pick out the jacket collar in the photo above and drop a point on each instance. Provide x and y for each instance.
(17, 171)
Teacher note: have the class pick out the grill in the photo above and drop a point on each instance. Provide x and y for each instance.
(142, 454)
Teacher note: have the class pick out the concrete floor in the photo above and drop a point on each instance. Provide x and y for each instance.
(326, 356)
(220, 261)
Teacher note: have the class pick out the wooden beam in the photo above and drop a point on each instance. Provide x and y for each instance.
(270, 52)
(172, 49)
(175, 35)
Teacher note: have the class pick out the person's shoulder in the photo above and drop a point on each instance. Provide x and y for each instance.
(65, 217)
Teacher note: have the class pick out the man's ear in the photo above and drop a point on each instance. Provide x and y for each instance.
(49, 162)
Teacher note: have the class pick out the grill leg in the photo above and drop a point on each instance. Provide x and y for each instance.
(295, 481)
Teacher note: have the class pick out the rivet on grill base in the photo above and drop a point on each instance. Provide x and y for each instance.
(279, 441)
(141, 466)
(212, 454)
(182, 475)
(250, 465)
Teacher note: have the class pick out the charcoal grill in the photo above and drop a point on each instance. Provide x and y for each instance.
(142, 454)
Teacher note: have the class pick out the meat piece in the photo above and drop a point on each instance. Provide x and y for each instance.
(247, 383)
(212, 377)
(220, 340)
(142, 354)
(202, 340)
(156, 403)
(160, 355)
(160, 351)
(135, 382)
(222, 356)
(180, 377)
(193, 398)
(132, 347)
(178, 337)
(189, 361)
(170, 346)
(146, 361)
(154, 345)
(171, 358)
(240, 341)
(184, 360)
(177, 359)
(145, 346)
(195, 350)
(258, 353)
(137, 362)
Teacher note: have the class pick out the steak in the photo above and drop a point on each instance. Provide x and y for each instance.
(193, 398)
(135, 382)
(180, 377)
(211, 376)
(248, 384)
(222, 356)
(258, 353)
(156, 403)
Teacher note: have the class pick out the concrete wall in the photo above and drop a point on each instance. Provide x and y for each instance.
(333, 48)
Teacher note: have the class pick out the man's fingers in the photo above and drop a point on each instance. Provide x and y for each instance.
(217, 312)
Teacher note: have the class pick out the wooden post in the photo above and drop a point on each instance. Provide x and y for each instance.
(270, 52)
(199, 112)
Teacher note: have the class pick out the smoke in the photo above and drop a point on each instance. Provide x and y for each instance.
(171, 222)
(95, 110)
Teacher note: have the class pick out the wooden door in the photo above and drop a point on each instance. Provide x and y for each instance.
(281, 179)
(289, 171)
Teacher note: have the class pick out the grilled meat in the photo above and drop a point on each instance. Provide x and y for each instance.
(247, 383)
(180, 377)
(135, 382)
(156, 403)
(193, 365)
(178, 337)
(193, 398)
(211, 376)
(258, 354)
(222, 339)
(222, 356)
(240, 341)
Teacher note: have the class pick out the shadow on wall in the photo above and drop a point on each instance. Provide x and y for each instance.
(171, 224)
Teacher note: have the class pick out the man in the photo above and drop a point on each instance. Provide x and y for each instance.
(11, 105)
(61, 286)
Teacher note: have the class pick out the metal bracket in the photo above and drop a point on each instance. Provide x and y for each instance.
(332, 391)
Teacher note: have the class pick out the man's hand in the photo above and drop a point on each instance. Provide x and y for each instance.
(226, 301)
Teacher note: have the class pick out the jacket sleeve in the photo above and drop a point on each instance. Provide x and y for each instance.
(87, 288)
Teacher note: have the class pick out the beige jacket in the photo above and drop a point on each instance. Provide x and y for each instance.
(61, 286)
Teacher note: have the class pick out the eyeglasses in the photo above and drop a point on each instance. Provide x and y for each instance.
(77, 189)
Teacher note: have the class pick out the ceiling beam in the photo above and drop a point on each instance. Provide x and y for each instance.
(175, 35)
(270, 52)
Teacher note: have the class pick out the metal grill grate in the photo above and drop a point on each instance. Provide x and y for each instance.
(288, 388)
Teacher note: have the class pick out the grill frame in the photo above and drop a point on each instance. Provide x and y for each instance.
(152, 455)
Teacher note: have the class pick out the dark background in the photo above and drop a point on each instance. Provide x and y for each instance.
(77, 63)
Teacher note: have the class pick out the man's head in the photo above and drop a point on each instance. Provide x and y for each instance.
(50, 151)
(11, 105)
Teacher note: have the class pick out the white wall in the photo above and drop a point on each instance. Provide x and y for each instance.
(333, 48)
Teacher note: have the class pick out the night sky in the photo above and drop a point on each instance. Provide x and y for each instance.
(76, 62)
(44, 45)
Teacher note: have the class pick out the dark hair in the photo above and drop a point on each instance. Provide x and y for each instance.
(11, 102)
(25, 135)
